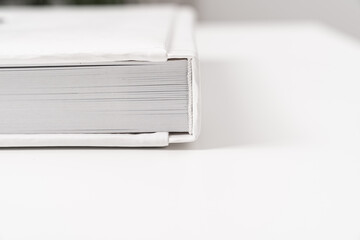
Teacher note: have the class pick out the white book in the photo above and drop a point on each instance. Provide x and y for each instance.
(98, 76)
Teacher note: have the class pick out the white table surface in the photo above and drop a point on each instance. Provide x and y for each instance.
(278, 157)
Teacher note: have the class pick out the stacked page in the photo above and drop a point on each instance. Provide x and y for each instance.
(131, 97)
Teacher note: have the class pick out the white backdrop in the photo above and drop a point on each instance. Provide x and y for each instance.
(342, 14)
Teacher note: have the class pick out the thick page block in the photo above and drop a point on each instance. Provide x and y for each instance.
(143, 105)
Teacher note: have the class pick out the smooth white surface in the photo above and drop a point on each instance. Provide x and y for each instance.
(159, 139)
(65, 35)
(101, 34)
(277, 158)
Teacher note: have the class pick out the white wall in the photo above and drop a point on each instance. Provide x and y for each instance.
(343, 14)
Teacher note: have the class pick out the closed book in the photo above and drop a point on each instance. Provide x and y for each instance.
(124, 76)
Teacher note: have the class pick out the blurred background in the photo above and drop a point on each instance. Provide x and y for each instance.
(342, 14)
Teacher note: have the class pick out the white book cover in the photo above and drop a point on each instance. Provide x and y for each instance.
(88, 35)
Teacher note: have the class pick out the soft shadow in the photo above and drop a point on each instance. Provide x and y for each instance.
(224, 121)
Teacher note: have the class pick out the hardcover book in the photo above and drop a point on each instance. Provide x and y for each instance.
(104, 76)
